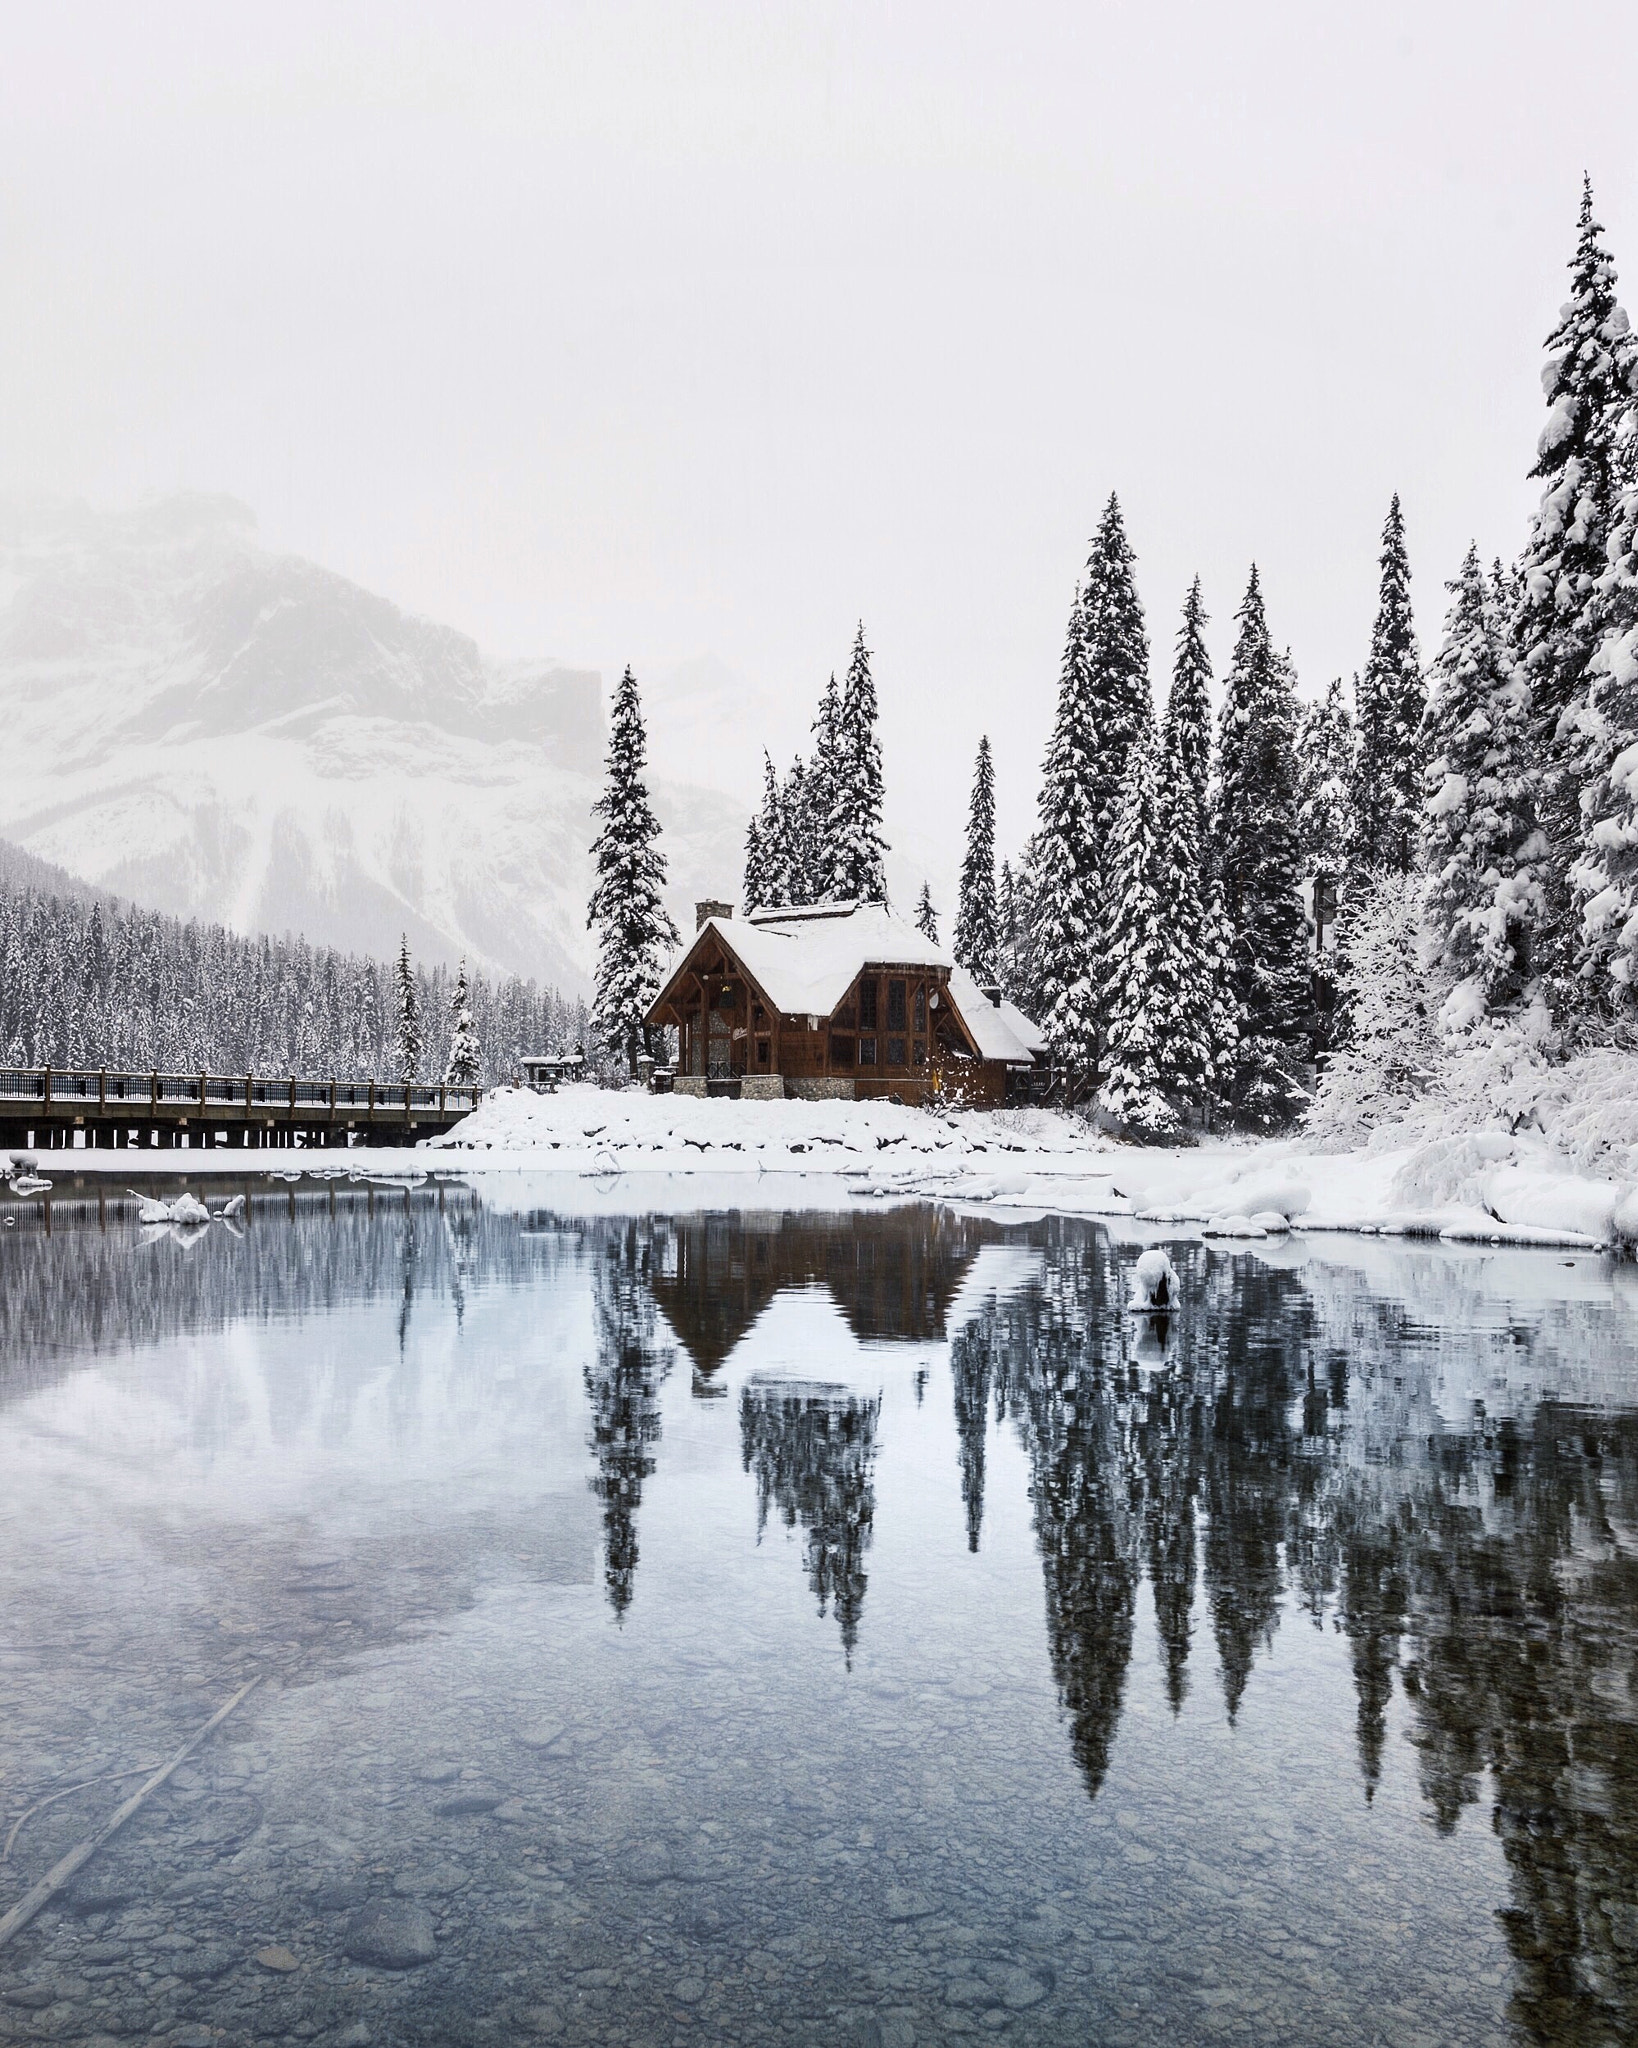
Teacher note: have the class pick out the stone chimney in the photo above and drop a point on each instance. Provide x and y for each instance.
(709, 909)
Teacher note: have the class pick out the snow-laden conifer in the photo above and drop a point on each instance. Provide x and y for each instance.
(409, 1015)
(926, 915)
(822, 779)
(1606, 875)
(977, 941)
(634, 929)
(1116, 668)
(1009, 934)
(799, 853)
(1390, 702)
(1157, 1052)
(1188, 707)
(764, 882)
(1325, 758)
(1258, 869)
(1391, 1051)
(1483, 898)
(856, 846)
(1066, 911)
(1582, 459)
(465, 1055)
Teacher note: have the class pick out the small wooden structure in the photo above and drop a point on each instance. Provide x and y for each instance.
(838, 1000)
(543, 1071)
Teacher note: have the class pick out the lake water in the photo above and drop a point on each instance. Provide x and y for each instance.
(815, 1628)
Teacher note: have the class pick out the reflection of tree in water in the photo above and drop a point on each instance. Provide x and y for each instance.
(623, 1386)
(1280, 1453)
(812, 1451)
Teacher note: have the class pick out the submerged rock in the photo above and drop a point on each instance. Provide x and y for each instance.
(392, 1935)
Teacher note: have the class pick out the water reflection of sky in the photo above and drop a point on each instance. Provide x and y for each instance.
(937, 1646)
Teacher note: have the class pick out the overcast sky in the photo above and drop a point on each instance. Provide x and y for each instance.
(659, 332)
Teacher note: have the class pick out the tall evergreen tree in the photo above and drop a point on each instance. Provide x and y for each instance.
(627, 910)
(1157, 1060)
(822, 780)
(1607, 873)
(409, 1015)
(1119, 704)
(1188, 707)
(1561, 618)
(856, 844)
(763, 883)
(465, 1055)
(1325, 774)
(1483, 898)
(1066, 912)
(1009, 936)
(1258, 870)
(977, 941)
(1390, 704)
(926, 915)
(798, 848)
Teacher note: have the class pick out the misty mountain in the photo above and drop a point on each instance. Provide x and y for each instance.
(220, 731)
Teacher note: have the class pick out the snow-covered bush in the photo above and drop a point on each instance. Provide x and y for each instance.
(1391, 1055)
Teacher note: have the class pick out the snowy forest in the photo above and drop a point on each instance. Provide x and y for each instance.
(1425, 884)
(87, 981)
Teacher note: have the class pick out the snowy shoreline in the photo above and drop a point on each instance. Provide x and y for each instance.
(1495, 1189)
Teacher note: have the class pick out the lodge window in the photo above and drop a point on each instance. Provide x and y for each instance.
(895, 1011)
(764, 1053)
(841, 1052)
(867, 1007)
(921, 1052)
(895, 1051)
(921, 1006)
(867, 1051)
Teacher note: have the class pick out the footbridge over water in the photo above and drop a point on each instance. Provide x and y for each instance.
(49, 1108)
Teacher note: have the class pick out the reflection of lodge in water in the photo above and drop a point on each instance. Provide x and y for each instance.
(893, 1273)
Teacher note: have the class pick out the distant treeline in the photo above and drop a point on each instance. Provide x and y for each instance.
(89, 982)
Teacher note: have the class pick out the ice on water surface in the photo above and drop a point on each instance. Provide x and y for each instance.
(801, 1626)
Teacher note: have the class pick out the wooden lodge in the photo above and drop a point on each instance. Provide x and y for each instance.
(838, 1000)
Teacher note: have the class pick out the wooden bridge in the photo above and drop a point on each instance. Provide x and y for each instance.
(47, 1108)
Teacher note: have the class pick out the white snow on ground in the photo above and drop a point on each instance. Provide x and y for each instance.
(628, 1151)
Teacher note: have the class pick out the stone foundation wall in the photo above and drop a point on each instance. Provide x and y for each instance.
(762, 1088)
(824, 1088)
(689, 1084)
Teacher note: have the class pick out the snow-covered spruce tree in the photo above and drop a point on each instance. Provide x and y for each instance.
(1066, 912)
(1007, 933)
(1119, 704)
(1389, 705)
(1606, 875)
(761, 885)
(1483, 899)
(856, 873)
(822, 780)
(409, 1015)
(634, 928)
(799, 859)
(1392, 1048)
(926, 915)
(465, 1055)
(1325, 750)
(1259, 872)
(977, 941)
(1157, 1055)
(1188, 707)
(1560, 623)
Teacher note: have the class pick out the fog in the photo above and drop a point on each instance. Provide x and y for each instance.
(688, 337)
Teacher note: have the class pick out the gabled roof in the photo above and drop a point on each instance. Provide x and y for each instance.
(805, 960)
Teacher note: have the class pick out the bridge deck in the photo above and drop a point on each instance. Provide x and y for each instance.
(46, 1106)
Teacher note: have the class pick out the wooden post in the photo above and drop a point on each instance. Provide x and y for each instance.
(153, 1096)
(48, 1089)
(102, 1092)
(292, 1098)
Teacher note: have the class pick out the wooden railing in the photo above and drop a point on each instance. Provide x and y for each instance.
(56, 1091)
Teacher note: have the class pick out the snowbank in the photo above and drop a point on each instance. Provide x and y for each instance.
(1490, 1187)
(631, 1152)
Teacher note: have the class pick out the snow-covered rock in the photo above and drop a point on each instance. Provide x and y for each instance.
(1154, 1281)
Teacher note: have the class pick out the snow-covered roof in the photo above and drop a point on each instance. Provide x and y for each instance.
(805, 961)
(994, 1031)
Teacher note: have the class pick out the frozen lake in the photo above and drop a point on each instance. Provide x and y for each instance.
(844, 1628)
